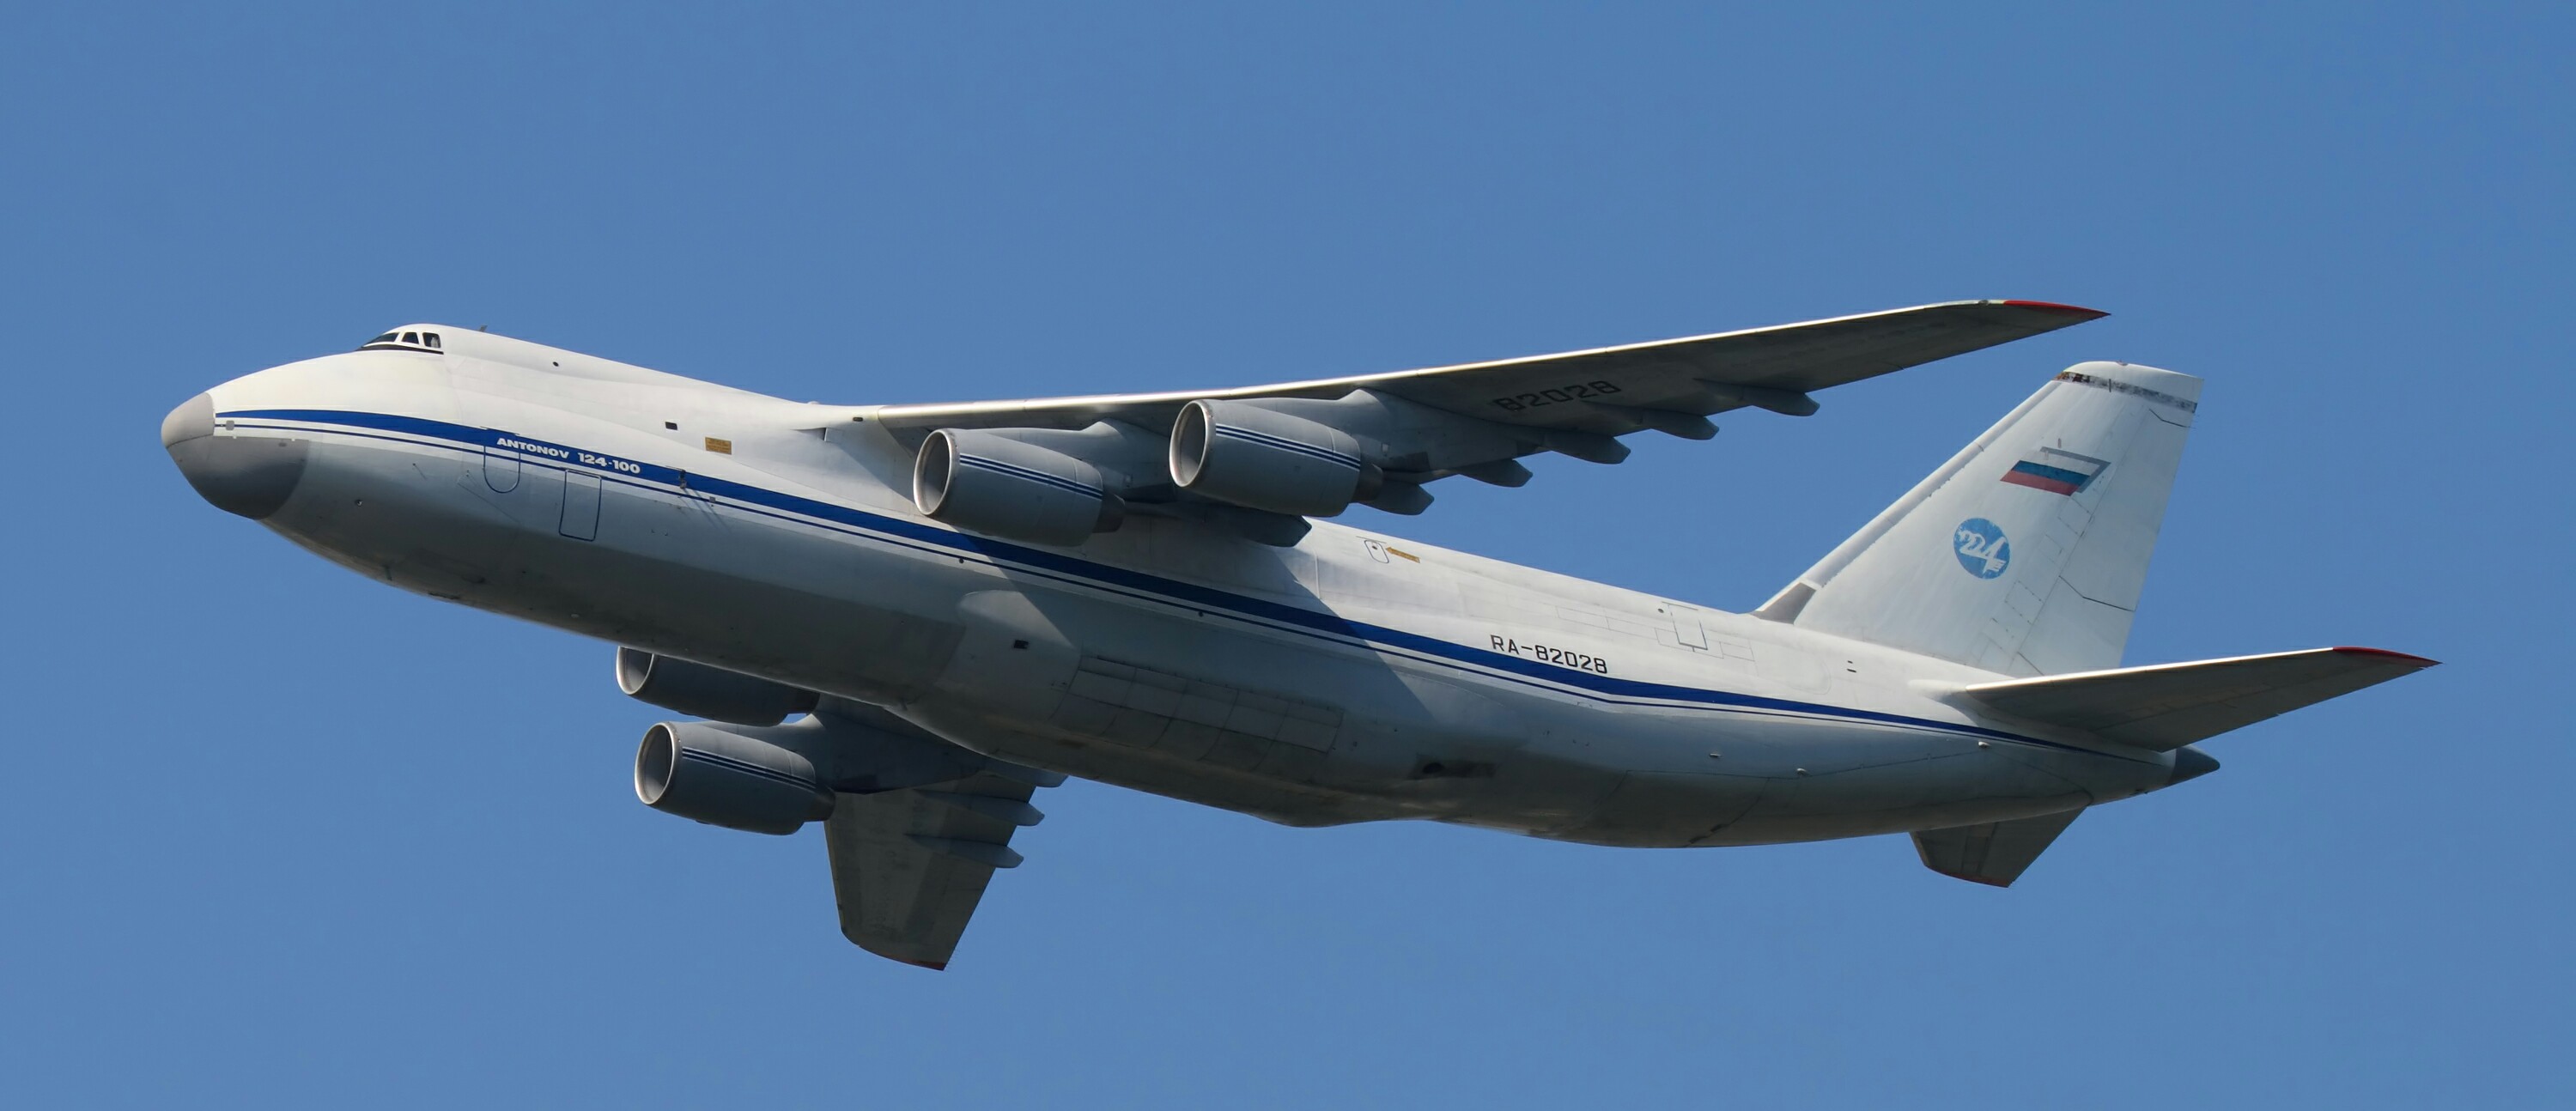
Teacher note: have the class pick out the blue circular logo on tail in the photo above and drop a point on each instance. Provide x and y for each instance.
(1981, 547)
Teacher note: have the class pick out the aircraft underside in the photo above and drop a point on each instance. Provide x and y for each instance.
(1040, 671)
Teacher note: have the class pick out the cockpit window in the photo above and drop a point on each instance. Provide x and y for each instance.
(426, 342)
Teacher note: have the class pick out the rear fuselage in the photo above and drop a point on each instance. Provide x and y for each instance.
(1352, 677)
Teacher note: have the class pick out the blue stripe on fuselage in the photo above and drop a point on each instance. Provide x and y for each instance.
(1153, 587)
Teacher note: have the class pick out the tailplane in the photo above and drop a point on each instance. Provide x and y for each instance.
(2167, 706)
(2026, 552)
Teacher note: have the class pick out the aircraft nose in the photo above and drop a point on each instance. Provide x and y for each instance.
(251, 476)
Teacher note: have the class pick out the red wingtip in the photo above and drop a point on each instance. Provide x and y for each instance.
(2052, 306)
(2418, 661)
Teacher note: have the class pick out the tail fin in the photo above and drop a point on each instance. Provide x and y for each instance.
(2026, 552)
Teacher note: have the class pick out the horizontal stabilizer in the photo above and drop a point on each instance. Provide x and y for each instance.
(1995, 853)
(2167, 706)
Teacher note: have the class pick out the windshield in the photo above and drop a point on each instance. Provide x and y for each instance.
(404, 341)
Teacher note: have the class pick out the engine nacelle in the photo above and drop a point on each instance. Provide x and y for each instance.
(991, 481)
(1251, 455)
(704, 773)
(708, 692)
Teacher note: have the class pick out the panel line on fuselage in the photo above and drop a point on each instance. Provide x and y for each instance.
(1330, 627)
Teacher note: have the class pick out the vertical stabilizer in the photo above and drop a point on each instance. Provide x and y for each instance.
(2025, 553)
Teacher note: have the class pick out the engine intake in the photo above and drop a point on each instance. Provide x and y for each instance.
(708, 692)
(1255, 456)
(989, 481)
(703, 773)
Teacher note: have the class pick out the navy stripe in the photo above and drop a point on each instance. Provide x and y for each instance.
(748, 768)
(1149, 587)
(1285, 444)
(1058, 481)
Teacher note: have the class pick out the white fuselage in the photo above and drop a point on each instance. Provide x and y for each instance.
(1353, 677)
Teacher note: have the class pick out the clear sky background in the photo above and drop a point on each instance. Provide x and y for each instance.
(273, 835)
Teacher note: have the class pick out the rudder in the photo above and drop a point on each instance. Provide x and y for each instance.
(2026, 553)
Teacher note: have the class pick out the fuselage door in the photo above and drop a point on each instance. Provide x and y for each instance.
(1687, 631)
(500, 468)
(581, 505)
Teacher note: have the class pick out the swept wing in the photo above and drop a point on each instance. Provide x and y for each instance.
(1603, 391)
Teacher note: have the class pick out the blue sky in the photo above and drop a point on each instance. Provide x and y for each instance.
(279, 836)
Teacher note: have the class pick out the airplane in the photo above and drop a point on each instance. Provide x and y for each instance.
(903, 620)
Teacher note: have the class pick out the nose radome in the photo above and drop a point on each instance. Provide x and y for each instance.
(193, 418)
(247, 475)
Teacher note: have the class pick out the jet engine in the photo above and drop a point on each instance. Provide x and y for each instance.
(708, 692)
(995, 481)
(706, 774)
(1252, 455)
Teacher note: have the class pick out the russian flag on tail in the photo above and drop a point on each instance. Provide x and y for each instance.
(2056, 471)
